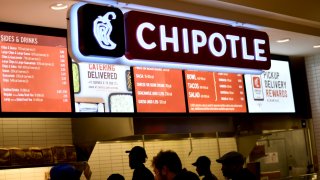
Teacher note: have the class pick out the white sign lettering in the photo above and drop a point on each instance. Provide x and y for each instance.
(102, 29)
(199, 40)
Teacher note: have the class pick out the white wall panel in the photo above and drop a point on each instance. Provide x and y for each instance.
(313, 76)
(110, 157)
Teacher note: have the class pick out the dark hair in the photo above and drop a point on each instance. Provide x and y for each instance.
(232, 157)
(64, 172)
(137, 154)
(167, 158)
(115, 177)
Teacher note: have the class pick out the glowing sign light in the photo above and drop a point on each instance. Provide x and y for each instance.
(196, 44)
(170, 39)
(153, 40)
(95, 33)
(102, 29)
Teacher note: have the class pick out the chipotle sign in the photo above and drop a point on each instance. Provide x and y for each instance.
(104, 35)
(171, 39)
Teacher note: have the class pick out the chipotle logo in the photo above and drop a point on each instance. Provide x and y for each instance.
(100, 34)
(171, 39)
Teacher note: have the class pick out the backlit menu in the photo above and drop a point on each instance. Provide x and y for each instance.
(159, 90)
(215, 92)
(34, 73)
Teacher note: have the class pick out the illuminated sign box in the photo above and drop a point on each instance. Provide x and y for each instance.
(162, 41)
(35, 72)
(159, 90)
(215, 92)
(171, 39)
(271, 92)
(96, 36)
(102, 88)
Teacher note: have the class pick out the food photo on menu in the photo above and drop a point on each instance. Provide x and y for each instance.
(102, 88)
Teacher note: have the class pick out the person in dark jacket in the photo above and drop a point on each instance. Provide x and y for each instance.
(232, 167)
(167, 166)
(137, 158)
(203, 164)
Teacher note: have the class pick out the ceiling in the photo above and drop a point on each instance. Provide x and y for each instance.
(300, 23)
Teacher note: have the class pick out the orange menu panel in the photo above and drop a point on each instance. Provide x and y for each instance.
(215, 92)
(34, 73)
(159, 90)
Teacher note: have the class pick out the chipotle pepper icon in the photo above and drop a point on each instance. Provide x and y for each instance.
(101, 31)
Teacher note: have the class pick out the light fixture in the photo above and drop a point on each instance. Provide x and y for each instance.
(59, 6)
(316, 46)
(283, 40)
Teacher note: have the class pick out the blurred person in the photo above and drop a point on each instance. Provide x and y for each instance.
(167, 166)
(115, 177)
(203, 164)
(137, 158)
(232, 167)
(64, 172)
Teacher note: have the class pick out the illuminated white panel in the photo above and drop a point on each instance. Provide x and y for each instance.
(186, 66)
(140, 39)
(270, 92)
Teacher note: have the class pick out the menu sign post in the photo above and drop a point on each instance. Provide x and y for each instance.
(34, 73)
(159, 90)
(215, 92)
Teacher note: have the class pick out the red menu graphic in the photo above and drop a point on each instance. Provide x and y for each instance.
(34, 73)
(215, 92)
(159, 90)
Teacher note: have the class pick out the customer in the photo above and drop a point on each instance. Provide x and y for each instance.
(64, 172)
(232, 167)
(115, 177)
(203, 168)
(167, 166)
(137, 158)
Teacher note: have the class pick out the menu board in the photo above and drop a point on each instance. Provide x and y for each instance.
(34, 73)
(159, 90)
(271, 92)
(215, 92)
(102, 88)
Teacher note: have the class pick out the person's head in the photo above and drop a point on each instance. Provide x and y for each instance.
(202, 165)
(64, 172)
(232, 162)
(115, 177)
(166, 164)
(137, 156)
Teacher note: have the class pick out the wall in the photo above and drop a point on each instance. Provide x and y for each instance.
(32, 132)
(313, 75)
(35, 132)
(110, 157)
(290, 149)
(90, 130)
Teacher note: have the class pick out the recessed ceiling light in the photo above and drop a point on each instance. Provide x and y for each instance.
(316, 46)
(283, 40)
(58, 6)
